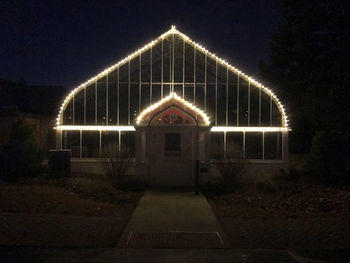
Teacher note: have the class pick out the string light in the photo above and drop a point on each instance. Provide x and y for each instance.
(173, 30)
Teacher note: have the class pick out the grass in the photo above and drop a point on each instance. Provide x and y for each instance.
(80, 194)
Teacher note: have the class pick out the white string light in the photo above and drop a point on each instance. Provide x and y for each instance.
(173, 30)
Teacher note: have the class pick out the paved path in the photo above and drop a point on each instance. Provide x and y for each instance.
(172, 212)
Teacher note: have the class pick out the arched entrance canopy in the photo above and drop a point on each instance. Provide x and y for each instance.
(172, 110)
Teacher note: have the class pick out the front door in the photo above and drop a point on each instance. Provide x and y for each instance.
(171, 155)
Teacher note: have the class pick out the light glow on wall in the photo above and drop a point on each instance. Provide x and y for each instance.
(173, 95)
(173, 30)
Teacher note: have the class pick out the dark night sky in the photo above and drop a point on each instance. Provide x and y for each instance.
(67, 42)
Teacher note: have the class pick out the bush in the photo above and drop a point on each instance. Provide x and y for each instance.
(328, 162)
(230, 167)
(265, 183)
(117, 163)
(21, 156)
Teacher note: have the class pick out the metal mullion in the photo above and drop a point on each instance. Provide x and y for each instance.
(248, 102)
(237, 99)
(205, 81)
(216, 92)
(140, 90)
(226, 95)
(183, 68)
(194, 74)
(244, 145)
(95, 102)
(129, 92)
(84, 105)
(150, 88)
(100, 143)
(118, 96)
(161, 72)
(259, 106)
(263, 145)
(270, 110)
(107, 118)
(73, 108)
(80, 144)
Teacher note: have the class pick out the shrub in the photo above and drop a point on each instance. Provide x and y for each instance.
(117, 163)
(265, 183)
(230, 166)
(21, 156)
(329, 157)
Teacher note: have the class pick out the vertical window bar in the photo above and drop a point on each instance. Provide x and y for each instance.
(96, 102)
(140, 90)
(259, 106)
(244, 145)
(248, 102)
(118, 96)
(205, 81)
(84, 105)
(80, 143)
(150, 88)
(226, 95)
(270, 110)
(107, 118)
(161, 72)
(225, 146)
(216, 92)
(263, 145)
(183, 69)
(237, 99)
(99, 148)
(194, 75)
(129, 92)
(73, 109)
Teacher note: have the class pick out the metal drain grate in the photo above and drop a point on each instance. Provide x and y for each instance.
(174, 240)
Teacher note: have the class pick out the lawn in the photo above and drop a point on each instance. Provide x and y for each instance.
(80, 194)
(286, 199)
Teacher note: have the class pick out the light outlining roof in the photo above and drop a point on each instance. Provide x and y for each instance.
(173, 30)
(173, 95)
(248, 129)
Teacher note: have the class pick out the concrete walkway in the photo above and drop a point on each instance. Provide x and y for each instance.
(173, 212)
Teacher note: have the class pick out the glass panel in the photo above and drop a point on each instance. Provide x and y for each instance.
(172, 144)
(253, 145)
(112, 97)
(265, 109)
(109, 138)
(146, 66)
(68, 114)
(200, 67)
(200, 97)
(90, 144)
(166, 90)
(156, 93)
(254, 106)
(189, 93)
(90, 104)
(211, 102)
(232, 99)
(243, 102)
(178, 90)
(71, 140)
(273, 145)
(101, 101)
(221, 97)
(156, 63)
(134, 102)
(217, 145)
(276, 115)
(145, 96)
(178, 59)
(166, 59)
(234, 145)
(128, 142)
(123, 104)
(79, 108)
(189, 65)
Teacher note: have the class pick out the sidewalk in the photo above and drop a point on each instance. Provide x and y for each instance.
(173, 219)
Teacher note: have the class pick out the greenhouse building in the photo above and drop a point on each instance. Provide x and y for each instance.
(170, 103)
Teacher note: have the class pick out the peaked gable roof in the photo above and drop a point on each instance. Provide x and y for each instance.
(199, 47)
